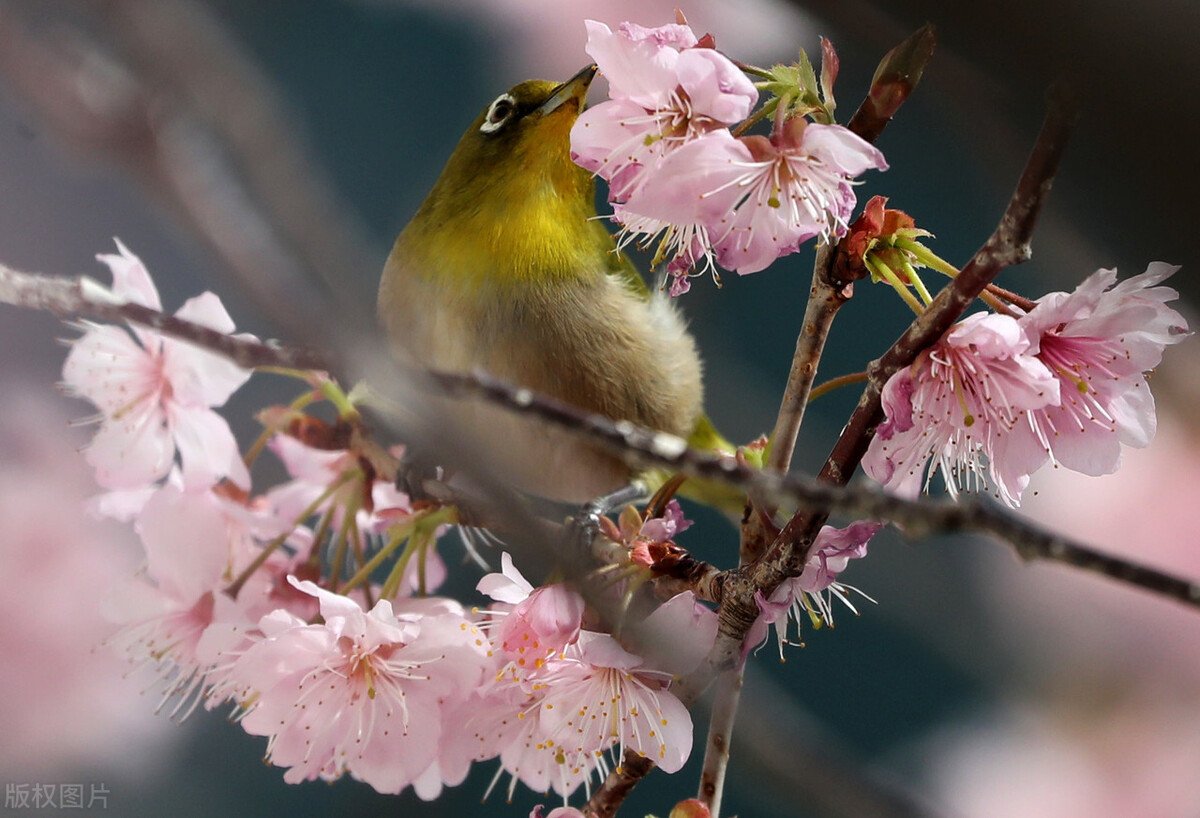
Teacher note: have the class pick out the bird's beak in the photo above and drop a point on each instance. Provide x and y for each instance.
(575, 88)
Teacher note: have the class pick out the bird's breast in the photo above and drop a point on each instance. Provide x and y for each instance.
(590, 341)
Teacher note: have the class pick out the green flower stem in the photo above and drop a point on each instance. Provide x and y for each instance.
(755, 70)
(334, 394)
(339, 556)
(271, 430)
(917, 283)
(391, 585)
(359, 558)
(399, 537)
(343, 541)
(762, 113)
(925, 256)
(314, 553)
(885, 273)
(414, 534)
(236, 586)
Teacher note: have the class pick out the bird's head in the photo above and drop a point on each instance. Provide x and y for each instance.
(510, 202)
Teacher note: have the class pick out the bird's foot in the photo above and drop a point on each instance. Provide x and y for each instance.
(585, 525)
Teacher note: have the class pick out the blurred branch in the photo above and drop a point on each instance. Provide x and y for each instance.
(637, 446)
(82, 297)
(161, 89)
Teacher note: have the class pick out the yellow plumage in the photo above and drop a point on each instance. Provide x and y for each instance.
(505, 268)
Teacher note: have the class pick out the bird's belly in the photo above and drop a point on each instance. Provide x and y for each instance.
(598, 349)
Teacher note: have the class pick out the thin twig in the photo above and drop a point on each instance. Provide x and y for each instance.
(83, 298)
(897, 76)
(894, 80)
(726, 698)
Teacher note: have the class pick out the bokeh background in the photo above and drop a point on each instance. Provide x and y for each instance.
(975, 687)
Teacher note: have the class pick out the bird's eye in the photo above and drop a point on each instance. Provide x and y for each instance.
(498, 114)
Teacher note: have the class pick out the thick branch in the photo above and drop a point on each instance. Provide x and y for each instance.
(609, 795)
(639, 447)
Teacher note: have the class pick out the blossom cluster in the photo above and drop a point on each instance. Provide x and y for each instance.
(663, 143)
(240, 601)
(1002, 394)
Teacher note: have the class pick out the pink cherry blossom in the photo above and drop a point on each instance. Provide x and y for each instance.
(604, 699)
(1098, 341)
(999, 397)
(557, 728)
(810, 595)
(676, 637)
(155, 394)
(540, 622)
(664, 91)
(363, 692)
(958, 405)
(758, 198)
(557, 723)
(195, 542)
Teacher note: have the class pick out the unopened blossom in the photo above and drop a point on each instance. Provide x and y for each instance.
(362, 692)
(1098, 342)
(648, 540)
(664, 91)
(957, 406)
(155, 394)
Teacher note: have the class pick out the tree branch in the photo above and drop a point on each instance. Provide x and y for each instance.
(637, 446)
(896, 77)
(84, 298)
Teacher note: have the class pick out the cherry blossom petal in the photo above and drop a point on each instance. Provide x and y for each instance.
(638, 63)
(132, 451)
(207, 448)
(131, 280)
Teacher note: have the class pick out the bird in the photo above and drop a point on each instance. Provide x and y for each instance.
(506, 268)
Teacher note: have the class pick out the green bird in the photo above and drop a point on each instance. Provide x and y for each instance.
(507, 268)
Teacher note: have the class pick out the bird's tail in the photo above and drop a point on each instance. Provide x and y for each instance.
(704, 437)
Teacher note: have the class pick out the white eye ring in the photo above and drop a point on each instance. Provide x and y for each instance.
(498, 113)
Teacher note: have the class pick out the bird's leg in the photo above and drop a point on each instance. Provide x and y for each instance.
(585, 525)
(416, 477)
